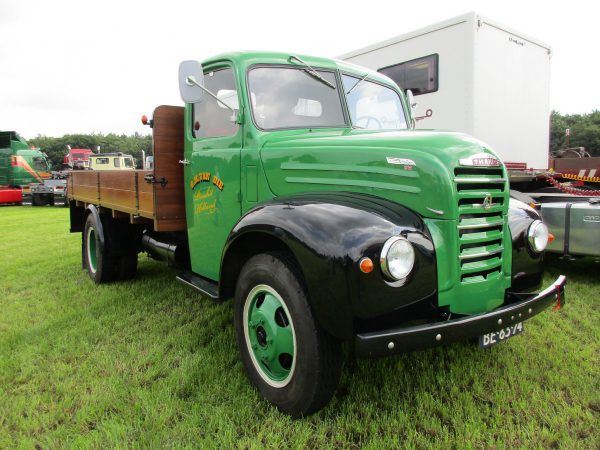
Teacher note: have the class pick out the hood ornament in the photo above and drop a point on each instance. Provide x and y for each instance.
(481, 160)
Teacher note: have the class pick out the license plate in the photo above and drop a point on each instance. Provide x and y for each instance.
(493, 338)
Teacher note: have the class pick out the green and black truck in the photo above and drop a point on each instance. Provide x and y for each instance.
(298, 186)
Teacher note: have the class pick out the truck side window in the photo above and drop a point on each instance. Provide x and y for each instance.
(211, 118)
(117, 162)
(419, 75)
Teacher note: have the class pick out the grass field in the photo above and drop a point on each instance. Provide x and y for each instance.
(149, 363)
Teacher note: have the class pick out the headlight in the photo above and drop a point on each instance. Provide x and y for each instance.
(537, 235)
(397, 258)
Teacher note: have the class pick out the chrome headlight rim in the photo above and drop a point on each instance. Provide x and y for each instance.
(532, 235)
(385, 264)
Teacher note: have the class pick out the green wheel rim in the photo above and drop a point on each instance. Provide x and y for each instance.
(91, 249)
(270, 335)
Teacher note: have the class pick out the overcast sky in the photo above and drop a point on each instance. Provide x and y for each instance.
(82, 67)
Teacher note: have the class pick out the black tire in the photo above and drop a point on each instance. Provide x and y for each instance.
(97, 252)
(38, 200)
(127, 266)
(298, 384)
(125, 238)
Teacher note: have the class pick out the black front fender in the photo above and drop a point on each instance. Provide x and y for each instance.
(527, 266)
(328, 234)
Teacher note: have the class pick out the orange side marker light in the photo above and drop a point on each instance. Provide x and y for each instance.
(366, 265)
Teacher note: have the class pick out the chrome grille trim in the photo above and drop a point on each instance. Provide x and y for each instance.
(481, 225)
(481, 254)
(480, 180)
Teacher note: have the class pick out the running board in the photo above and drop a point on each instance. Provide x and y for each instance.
(202, 285)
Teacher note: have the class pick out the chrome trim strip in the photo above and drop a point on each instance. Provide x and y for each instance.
(480, 180)
(481, 225)
(481, 254)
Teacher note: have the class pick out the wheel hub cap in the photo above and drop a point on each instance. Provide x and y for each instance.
(270, 335)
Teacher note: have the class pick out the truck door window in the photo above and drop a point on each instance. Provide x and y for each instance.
(128, 162)
(211, 118)
(284, 98)
(419, 75)
(373, 106)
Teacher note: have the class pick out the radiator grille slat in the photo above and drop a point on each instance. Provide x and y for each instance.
(482, 199)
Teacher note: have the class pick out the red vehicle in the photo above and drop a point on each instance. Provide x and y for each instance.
(77, 158)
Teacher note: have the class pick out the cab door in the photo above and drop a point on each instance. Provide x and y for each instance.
(212, 170)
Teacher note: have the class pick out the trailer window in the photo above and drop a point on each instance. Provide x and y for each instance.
(419, 75)
(212, 118)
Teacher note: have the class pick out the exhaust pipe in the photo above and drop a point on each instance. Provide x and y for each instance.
(175, 255)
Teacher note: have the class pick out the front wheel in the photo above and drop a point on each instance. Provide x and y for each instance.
(292, 361)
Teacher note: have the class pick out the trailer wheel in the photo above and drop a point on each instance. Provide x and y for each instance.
(97, 259)
(292, 361)
(38, 200)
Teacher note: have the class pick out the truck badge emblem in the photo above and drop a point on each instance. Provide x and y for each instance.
(481, 160)
(487, 201)
(401, 162)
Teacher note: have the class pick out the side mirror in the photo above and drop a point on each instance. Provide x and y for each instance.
(190, 76)
(411, 99)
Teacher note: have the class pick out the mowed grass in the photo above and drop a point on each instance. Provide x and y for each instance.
(150, 363)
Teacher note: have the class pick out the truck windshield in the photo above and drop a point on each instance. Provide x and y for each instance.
(40, 163)
(373, 106)
(289, 97)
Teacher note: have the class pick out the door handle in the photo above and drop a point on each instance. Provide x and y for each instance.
(185, 162)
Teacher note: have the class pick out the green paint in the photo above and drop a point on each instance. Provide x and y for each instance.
(19, 164)
(415, 168)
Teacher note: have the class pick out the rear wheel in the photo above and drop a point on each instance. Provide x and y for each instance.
(292, 361)
(97, 259)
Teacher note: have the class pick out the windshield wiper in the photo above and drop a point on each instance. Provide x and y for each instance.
(313, 72)
(357, 83)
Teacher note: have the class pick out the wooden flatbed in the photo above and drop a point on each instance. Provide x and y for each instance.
(144, 196)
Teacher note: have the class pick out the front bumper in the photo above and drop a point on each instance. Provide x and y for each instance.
(399, 340)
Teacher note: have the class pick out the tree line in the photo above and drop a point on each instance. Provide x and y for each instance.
(56, 147)
(584, 131)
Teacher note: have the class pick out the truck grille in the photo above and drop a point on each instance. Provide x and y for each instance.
(482, 199)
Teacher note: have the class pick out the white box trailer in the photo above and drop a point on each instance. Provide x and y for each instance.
(476, 76)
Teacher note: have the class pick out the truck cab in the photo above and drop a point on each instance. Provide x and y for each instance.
(111, 161)
(299, 186)
(77, 158)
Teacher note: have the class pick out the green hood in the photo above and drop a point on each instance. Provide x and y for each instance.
(413, 168)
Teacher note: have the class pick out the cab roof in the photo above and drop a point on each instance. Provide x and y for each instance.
(245, 59)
